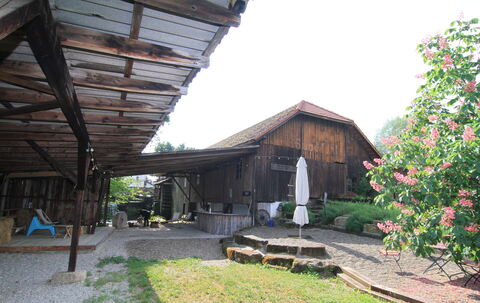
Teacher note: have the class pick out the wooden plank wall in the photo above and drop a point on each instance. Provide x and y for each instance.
(356, 154)
(216, 183)
(55, 195)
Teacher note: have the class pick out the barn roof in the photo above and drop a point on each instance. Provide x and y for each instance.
(258, 131)
(106, 73)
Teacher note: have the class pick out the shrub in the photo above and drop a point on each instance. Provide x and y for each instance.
(356, 220)
(288, 207)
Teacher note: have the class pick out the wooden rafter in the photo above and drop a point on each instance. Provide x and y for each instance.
(108, 104)
(41, 36)
(89, 118)
(65, 129)
(95, 80)
(18, 136)
(12, 79)
(15, 14)
(90, 40)
(201, 10)
(52, 162)
(29, 109)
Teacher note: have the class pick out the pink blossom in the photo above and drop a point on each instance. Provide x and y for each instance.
(397, 152)
(448, 216)
(428, 143)
(405, 179)
(412, 171)
(465, 202)
(461, 16)
(446, 165)
(447, 61)
(429, 53)
(472, 227)
(468, 134)
(451, 124)
(368, 165)
(420, 76)
(390, 141)
(434, 134)
(378, 161)
(408, 212)
(398, 204)
(426, 40)
(415, 201)
(411, 121)
(389, 226)
(432, 118)
(376, 186)
(464, 193)
(470, 87)
(416, 138)
(478, 104)
(428, 168)
(443, 43)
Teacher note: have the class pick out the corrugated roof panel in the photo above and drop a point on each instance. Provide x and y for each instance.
(171, 40)
(159, 79)
(180, 20)
(176, 29)
(162, 68)
(95, 10)
(94, 23)
(124, 5)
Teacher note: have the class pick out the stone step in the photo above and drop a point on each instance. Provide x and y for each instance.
(250, 240)
(278, 260)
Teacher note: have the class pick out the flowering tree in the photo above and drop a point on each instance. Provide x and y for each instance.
(432, 169)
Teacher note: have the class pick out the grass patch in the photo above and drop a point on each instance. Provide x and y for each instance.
(187, 280)
(111, 260)
(110, 277)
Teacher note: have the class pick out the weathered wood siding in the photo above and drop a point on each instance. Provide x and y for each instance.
(222, 224)
(356, 153)
(226, 183)
(55, 195)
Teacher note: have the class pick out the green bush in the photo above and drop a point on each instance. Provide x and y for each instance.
(288, 207)
(359, 214)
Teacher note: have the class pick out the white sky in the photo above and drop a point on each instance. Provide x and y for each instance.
(356, 58)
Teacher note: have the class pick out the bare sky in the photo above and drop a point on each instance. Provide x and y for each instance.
(356, 58)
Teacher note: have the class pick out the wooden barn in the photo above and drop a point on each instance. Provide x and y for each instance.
(333, 145)
(84, 86)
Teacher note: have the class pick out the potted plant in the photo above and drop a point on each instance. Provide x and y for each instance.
(155, 222)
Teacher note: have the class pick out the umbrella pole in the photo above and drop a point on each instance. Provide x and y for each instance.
(300, 232)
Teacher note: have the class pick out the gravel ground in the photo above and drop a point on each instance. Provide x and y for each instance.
(362, 254)
(24, 276)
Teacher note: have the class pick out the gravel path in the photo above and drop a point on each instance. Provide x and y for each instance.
(362, 254)
(24, 276)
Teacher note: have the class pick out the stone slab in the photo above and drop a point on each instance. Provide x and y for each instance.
(371, 228)
(313, 251)
(282, 248)
(248, 256)
(340, 221)
(250, 240)
(278, 260)
(66, 277)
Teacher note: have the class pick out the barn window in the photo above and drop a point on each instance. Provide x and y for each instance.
(238, 173)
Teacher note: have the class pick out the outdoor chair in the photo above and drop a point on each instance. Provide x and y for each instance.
(441, 260)
(35, 224)
(474, 267)
(44, 219)
(395, 253)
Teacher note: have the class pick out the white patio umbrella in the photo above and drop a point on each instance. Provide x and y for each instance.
(302, 194)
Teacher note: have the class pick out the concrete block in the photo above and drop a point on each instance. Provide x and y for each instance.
(340, 221)
(248, 256)
(282, 248)
(66, 277)
(250, 240)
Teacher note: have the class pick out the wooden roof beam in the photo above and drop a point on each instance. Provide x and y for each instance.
(200, 10)
(29, 109)
(65, 129)
(41, 35)
(89, 118)
(52, 162)
(109, 104)
(18, 136)
(91, 79)
(90, 40)
(14, 14)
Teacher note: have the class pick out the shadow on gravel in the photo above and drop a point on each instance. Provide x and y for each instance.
(205, 249)
(355, 253)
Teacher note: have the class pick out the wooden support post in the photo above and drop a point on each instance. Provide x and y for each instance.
(82, 174)
(107, 196)
(101, 194)
(179, 186)
(4, 191)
